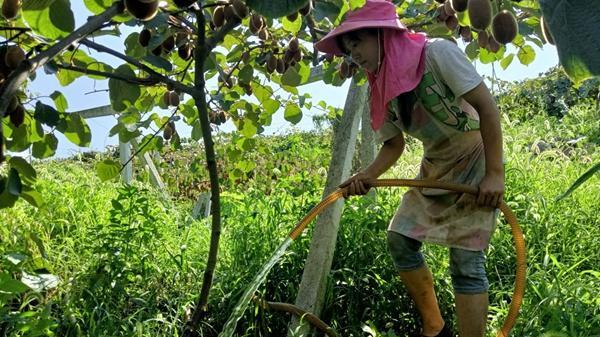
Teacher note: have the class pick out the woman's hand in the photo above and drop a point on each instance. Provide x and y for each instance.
(357, 184)
(491, 190)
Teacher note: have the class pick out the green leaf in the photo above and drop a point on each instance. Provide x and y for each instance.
(158, 62)
(33, 197)
(261, 92)
(196, 130)
(324, 10)
(472, 50)
(108, 169)
(14, 185)
(275, 9)
(249, 129)
(291, 77)
(77, 130)
(292, 26)
(133, 47)
(123, 94)
(575, 27)
(292, 113)
(60, 101)
(66, 77)
(97, 6)
(26, 171)
(45, 148)
(10, 285)
(46, 114)
(526, 54)
(245, 75)
(584, 177)
(52, 19)
(505, 62)
(271, 106)
(354, 4)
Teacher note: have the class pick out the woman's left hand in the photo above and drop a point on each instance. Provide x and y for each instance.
(491, 190)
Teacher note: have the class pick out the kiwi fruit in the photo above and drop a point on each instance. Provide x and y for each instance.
(480, 13)
(247, 89)
(294, 44)
(465, 33)
(142, 9)
(14, 56)
(298, 55)
(452, 22)
(144, 37)
(17, 116)
(10, 9)
(12, 105)
(219, 16)
(345, 70)
(263, 34)
(546, 31)
(504, 27)
(256, 23)
(482, 39)
(441, 15)
(167, 132)
(304, 11)
(280, 66)
(181, 38)
(173, 98)
(229, 13)
(169, 44)
(183, 3)
(157, 51)
(167, 98)
(240, 9)
(185, 51)
(459, 5)
(245, 57)
(292, 17)
(448, 8)
(493, 45)
(222, 118)
(271, 64)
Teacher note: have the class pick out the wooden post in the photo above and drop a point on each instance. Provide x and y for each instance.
(318, 263)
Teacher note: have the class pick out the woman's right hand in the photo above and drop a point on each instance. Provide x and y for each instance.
(357, 184)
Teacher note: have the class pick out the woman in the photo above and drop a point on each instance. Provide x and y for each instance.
(427, 88)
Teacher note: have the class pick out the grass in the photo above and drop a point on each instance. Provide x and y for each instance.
(131, 263)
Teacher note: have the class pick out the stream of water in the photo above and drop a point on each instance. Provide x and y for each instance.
(242, 304)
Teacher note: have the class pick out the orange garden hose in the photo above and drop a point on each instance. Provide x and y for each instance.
(519, 290)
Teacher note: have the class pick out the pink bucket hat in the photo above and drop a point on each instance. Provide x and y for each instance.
(374, 14)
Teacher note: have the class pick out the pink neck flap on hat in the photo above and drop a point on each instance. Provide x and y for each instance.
(401, 71)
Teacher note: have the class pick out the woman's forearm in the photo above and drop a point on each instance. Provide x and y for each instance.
(387, 156)
(491, 133)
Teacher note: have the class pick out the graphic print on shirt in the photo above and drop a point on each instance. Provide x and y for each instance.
(443, 107)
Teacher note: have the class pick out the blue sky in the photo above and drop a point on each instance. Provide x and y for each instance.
(86, 93)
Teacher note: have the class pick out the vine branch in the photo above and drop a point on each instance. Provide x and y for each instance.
(153, 74)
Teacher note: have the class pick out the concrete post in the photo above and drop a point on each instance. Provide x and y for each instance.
(367, 150)
(318, 263)
(125, 155)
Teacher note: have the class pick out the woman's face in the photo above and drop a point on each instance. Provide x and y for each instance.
(363, 47)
